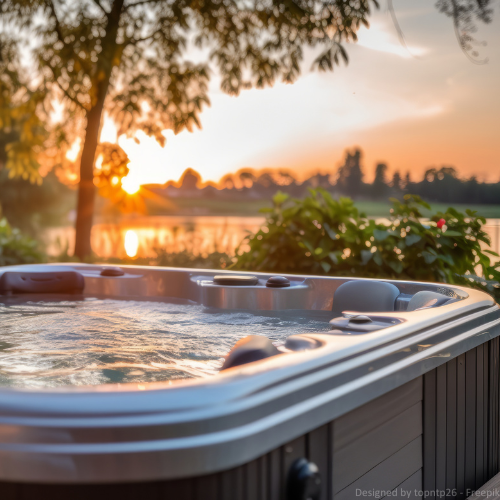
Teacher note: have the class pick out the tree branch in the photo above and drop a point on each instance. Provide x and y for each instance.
(58, 26)
(98, 3)
(456, 27)
(144, 39)
(140, 2)
(70, 97)
(401, 36)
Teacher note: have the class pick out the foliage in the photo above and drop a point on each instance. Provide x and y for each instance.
(464, 14)
(31, 207)
(22, 133)
(16, 248)
(322, 235)
(110, 168)
(131, 58)
(214, 260)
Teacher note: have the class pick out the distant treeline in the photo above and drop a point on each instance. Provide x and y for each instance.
(441, 185)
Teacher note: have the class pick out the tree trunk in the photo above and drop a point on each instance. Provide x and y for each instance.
(86, 188)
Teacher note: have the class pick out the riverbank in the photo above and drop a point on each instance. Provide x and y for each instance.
(213, 206)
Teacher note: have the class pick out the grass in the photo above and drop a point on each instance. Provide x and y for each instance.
(200, 206)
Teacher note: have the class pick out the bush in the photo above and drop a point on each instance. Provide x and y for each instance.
(16, 248)
(322, 235)
(214, 260)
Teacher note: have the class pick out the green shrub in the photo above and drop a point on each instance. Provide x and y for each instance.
(322, 235)
(16, 248)
(214, 260)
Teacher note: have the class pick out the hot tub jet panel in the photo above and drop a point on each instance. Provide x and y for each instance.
(401, 394)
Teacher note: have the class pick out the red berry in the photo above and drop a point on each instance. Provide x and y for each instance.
(440, 223)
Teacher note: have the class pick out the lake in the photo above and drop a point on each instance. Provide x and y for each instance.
(139, 236)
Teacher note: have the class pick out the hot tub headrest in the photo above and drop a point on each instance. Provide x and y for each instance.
(365, 296)
(426, 299)
(248, 349)
(40, 279)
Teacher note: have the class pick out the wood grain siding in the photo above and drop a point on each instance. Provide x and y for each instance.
(409, 489)
(389, 473)
(461, 423)
(378, 446)
(370, 450)
(358, 422)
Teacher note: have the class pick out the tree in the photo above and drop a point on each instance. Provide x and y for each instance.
(350, 174)
(379, 186)
(190, 180)
(22, 134)
(396, 182)
(130, 57)
(246, 178)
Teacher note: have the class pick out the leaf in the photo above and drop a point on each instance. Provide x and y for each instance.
(448, 259)
(380, 235)
(279, 198)
(330, 231)
(333, 258)
(377, 258)
(366, 256)
(326, 266)
(412, 239)
(397, 266)
(428, 257)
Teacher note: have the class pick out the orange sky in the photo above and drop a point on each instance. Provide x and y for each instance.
(431, 108)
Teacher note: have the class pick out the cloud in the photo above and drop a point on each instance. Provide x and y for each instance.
(381, 37)
(261, 126)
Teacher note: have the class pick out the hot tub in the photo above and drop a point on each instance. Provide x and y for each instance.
(334, 388)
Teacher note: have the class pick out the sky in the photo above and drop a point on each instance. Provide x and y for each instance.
(425, 106)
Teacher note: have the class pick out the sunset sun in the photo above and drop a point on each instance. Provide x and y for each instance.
(130, 186)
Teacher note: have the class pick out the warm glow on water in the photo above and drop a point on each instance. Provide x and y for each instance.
(131, 243)
(195, 234)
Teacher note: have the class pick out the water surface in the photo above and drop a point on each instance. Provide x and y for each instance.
(92, 342)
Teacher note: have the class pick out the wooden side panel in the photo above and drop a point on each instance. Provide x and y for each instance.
(355, 424)
(357, 458)
(470, 419)
(409, 489)
(441, 428)
(461, 423)
(429, 424)
(460, 426)
(318, 452)
(388, 474)
(290, 453)
(451, 424)
(206, 487)
(480, 476)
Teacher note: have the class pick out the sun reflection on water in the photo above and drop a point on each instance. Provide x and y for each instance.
(131, 243)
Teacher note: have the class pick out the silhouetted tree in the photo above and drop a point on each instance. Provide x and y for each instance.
(190, 180)
(350, 175)
(396, 182)
(319, 180)
(379, 188)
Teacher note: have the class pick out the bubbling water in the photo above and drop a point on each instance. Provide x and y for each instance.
(93, 342)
